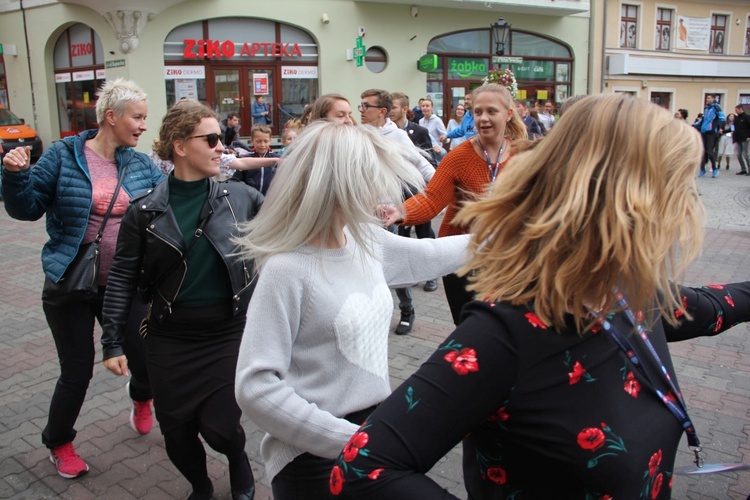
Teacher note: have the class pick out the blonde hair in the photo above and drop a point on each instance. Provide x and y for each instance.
(571, 219)
(178, 124)
(330, 172)
(115, 95)
(515, 128)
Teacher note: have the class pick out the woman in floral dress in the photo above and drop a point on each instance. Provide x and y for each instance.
(560, 383)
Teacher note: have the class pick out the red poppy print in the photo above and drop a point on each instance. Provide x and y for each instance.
(716, 287)
(729, 300)
(605, 497)
(357, 441)
(463, 361)
(719, 322)
(375, 474)
(496, 475)
(336, 481)
(535, 321)
(500, 415)
(653, 464)
(656, 487)
(577, 373)
(679, 312)
(632, 386)
(591, 438)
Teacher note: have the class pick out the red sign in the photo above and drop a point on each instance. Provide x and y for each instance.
(81, 49)
(260, 83)
(214, 49)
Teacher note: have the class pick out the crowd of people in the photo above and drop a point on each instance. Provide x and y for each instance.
(232, 278)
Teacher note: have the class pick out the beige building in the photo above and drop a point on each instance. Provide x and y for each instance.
(227, 53)
(672, 53)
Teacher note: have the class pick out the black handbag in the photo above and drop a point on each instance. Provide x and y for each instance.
(81, 279)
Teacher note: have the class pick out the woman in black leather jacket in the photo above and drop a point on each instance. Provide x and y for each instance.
(175, 249)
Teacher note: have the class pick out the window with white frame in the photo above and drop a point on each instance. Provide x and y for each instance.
(628, 26)
(663, 29)
(718, 32)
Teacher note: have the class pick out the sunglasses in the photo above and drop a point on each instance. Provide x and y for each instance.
(211, 139)
(364, 106)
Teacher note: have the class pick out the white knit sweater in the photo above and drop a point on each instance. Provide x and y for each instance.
(315, 346)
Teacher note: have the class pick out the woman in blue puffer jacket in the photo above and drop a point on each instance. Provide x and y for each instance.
(73, 183)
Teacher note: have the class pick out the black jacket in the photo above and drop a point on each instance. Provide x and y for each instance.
(420, 136)
(150, 245)
(741, 128)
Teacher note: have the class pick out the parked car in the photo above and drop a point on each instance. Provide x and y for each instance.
(14, 132)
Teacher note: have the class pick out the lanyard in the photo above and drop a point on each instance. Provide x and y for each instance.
(492, 168)
(676, 404)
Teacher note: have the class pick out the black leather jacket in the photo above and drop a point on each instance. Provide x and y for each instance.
(150, 244)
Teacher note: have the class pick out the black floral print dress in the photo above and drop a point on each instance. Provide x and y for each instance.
(542, 413)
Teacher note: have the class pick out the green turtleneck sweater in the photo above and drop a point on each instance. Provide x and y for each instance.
(207, 280)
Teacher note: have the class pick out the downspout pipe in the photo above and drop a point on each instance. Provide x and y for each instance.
(28, 59)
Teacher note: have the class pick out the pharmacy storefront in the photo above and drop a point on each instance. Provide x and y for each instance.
(229, 63)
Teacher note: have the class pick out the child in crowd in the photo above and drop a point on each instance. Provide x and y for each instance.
(259, 178)
(287, 136)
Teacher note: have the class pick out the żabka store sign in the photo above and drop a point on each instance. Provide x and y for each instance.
(215, 49)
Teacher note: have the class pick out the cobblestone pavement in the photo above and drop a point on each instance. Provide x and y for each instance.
(714, 374)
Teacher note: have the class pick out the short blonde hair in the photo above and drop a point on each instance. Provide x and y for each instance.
(330, 172)
(573, 218)
(115, 95)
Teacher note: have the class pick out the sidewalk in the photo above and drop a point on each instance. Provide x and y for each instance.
(714, 373)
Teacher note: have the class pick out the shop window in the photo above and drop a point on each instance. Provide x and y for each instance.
(747, 37)
(718, 32)
(530, 45)
(663, 99)
(663, 29)
(464, 42)
(79, 72)
(628, 26)
(3, 85)
(376, 59)
(745, 102)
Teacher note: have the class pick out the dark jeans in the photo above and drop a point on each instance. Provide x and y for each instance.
(456, 293)
(307, 476)
(742, 150)
(423, 231)
(72, 326)
(710, 141)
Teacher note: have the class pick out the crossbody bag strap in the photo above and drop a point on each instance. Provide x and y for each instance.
(120, 178)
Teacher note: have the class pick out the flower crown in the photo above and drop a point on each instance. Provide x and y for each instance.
(504, 77)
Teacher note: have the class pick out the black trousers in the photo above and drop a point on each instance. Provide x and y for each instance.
(456, 293)
(710, 142)
(72, 326)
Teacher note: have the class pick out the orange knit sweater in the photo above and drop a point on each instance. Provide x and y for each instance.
(461, 171)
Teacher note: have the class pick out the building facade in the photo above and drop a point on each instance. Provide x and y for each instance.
(228, 53)
(673, 53)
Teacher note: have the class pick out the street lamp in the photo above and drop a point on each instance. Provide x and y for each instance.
(500, 34)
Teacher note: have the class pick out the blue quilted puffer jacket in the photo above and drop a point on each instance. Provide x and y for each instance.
(59, 185)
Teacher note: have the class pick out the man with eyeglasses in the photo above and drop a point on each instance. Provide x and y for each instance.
(375, 109)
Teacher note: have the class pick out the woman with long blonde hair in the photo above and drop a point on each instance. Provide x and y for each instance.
(314, 357)
(560, 383)
(465, 173)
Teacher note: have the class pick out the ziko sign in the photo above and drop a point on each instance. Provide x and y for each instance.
(214, 49)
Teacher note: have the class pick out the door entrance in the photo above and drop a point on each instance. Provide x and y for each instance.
(235, 90)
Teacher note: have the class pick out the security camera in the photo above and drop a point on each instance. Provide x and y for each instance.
(414, 11)
(361, 31)
(325, 19)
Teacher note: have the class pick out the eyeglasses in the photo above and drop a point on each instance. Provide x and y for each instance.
(211, 139)
(364, 106)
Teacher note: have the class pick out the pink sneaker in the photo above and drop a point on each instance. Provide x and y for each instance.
(141, 418)
(69, 464)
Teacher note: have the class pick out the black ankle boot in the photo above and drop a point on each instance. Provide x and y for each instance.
(202, 496)
(240, 473)
(407, 321)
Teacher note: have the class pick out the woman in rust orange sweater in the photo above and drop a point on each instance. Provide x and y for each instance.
(466, 172)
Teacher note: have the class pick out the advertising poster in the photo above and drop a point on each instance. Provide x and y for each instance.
(693, 33)
(260, 83)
